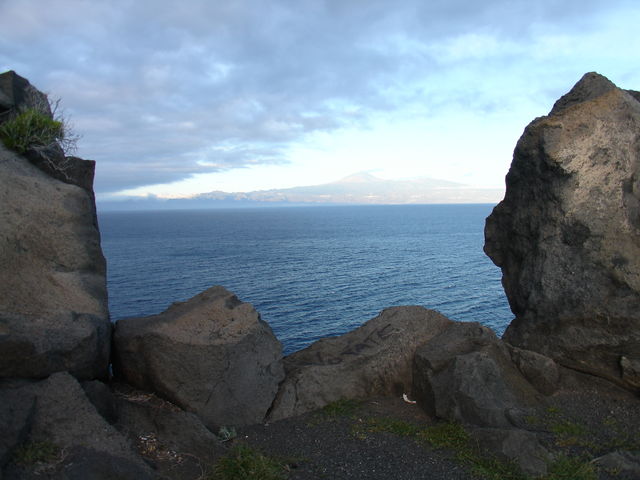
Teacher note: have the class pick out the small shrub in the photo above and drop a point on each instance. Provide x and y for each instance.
(226, 433)
(30, 129)
(245, 463)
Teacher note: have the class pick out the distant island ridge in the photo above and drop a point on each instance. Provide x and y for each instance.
(360, 188)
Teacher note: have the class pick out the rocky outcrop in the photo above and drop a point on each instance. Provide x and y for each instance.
(211, 355)
(18, 95)
(567, 234)
(465, 374)
(53, 314)
(53, 297)
(374, 359)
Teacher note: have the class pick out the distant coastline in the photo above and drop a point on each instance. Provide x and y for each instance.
(357, 189)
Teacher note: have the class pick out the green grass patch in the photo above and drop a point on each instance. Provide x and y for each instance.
(32, 453)
(569, 433)
(446, 435)
(30, 129)
(341, 408)
(245, 463)
(571, 468)
(385, 424)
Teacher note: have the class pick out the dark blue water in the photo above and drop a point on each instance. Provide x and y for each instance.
(311, 272)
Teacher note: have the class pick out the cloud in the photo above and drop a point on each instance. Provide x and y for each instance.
(161, 91)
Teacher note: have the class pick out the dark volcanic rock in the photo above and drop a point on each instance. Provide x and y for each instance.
(567, 234)
(16, 93)
(16, 413)
(211, 355)
(175, 442)
(53, 296)
(542, 372)
(88, 447)
(466, 374)
(374, 359)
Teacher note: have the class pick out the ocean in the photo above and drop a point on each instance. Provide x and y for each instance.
(311, 271)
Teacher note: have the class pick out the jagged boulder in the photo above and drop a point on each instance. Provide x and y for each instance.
(211, 355)
(465, 374)
(374, 359)
(53, 296)
(567, 234)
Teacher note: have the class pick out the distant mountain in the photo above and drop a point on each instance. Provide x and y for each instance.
(365, 188)
(359, 188)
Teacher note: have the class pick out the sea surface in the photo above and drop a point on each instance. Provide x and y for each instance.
(311, 272)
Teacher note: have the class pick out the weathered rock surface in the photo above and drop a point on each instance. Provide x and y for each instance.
(374, 359)
(211, 355)
(466, 374)
(88, 446)
(542, 372)
(53, 298)
(567, 234)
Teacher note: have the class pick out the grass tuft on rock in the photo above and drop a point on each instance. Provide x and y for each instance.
(30, 129)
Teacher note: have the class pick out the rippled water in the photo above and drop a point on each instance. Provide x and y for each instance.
(311, 272)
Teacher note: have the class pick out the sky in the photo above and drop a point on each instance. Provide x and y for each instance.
(177, 98)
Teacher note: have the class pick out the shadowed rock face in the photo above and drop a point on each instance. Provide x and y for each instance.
(211, 355)
(567, 234)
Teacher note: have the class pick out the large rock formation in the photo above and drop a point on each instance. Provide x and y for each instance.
(53, 296)
(211, 355)
(374, 359)
(567, 234)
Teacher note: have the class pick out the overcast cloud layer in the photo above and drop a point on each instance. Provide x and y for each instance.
(163, 90)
